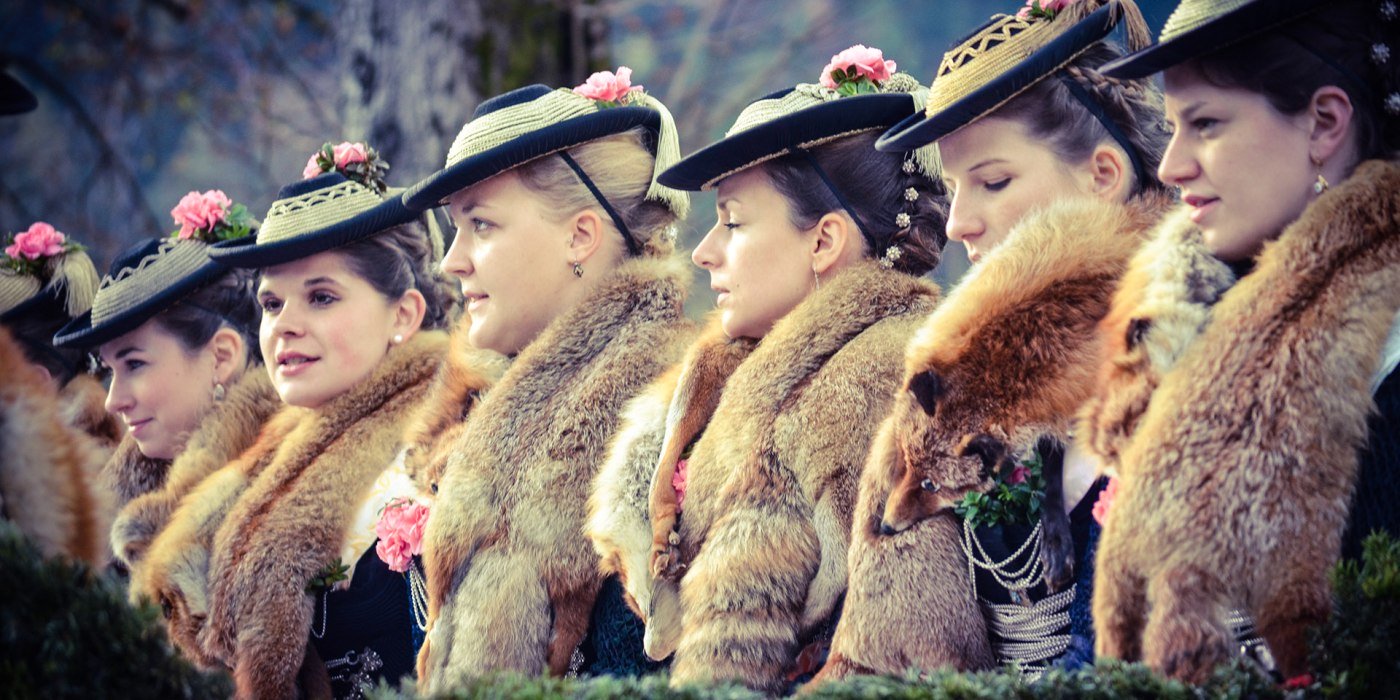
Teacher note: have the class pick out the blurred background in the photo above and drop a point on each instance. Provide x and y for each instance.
(141, 101)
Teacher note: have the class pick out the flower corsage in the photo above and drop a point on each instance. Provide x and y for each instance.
(210, 216)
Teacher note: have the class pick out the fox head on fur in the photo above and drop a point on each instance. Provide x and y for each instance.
(933, 465)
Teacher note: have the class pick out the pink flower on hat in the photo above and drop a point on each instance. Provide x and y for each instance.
(313, 166)
(1043, 8)
(200, 212)
(40, 241)
(400, 532)
(859, 61)
(606, 86)
(1019, 474)
(1105, 502)
(347, 153)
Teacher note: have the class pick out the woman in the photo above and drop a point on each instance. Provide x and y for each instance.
(270, 566)
(734, 548)
(56, 436)
(1243, 463)
(564, 252)
(1050, 166)
(177, 332)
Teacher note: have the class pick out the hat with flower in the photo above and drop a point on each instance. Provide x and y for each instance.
(1199, 27)
(342, 198)
(1008, 55)
(536, 121)
(858, 91)
(44, 273)
(156, 273)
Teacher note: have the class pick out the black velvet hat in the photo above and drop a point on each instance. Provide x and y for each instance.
(999, 61)
(312, 216)
(1199, 27)
(536, 121)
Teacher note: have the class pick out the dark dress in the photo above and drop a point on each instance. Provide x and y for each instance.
(1376, 505)
(613, 645)
(365, 632)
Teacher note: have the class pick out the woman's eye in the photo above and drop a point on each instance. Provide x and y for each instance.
(133, 365)
(731, 225)
(478, 225)
(998, 185)
(1204, 123)
(270, 305)
(322, 298)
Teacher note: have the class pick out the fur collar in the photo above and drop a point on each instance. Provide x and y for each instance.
(517, 480)
(466, 374)
(291, 521)
(84, 407)
(225, 432)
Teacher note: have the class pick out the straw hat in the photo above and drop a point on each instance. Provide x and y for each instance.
(1005, 57)
(46, 286)
(794, 119)
(1199, 27)
(312, 216)
(536, 121)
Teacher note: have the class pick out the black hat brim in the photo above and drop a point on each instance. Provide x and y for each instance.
(80, 332)
(840, 117)
(248, 253)
(920, 130)
(15, 98)
(1230, 28)
(431, 191)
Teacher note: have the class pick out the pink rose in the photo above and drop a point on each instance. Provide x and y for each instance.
(200, 212)
(347, 153)
(400, 531)
(678, 481)
(394, 552)
(1048, 6)
(866, 62)
(1105, 502)
(1019, 474)
(606, 86)
(40, 241)
(313, 167)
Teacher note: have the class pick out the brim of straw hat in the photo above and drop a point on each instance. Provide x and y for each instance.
(922, 129)
(50, 302)
(247, 252)
(562, 136)
(15, 98)
(804, 128)
(83, 333)
(1231, 27)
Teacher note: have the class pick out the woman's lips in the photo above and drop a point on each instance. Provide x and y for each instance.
(476, 303)
(1201, 207)
(295, 366)
(139, 427)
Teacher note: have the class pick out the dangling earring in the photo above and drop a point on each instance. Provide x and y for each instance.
(578, 269)
(816, 279)
(1320, 185)
(218, 392)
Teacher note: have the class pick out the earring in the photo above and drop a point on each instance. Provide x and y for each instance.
(1320, 185)
(218, 392)
(817, 280)
(578, 269)
(398, 338)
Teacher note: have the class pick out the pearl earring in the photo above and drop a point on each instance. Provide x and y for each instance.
(398, 338)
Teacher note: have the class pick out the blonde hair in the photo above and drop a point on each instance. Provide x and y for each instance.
(621, 167)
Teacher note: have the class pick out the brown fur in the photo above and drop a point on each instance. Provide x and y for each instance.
(772, 480)
(1235, 488)
(48, 484)
(511, 579)
(1009, 354)
(230, 427)
(440, 421)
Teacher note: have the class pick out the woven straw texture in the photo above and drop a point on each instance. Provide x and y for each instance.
(297, 216)
(1191, 14)
(132, 285)
(15, 289)
(987, 55)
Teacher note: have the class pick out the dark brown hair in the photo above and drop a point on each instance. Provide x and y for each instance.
(227, 302)
(398, 259)
(1287, 66)
(1052, 114)
(873, 183)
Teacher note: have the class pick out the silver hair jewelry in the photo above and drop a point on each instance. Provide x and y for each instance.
(892, 254)
(1380, 54)
(1389, 10)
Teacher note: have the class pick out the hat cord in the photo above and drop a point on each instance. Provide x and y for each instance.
(864, 231)
(632, 246)
(1109, 125)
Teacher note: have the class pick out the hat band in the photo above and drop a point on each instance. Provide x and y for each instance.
(1109, 125)
(632, 246)
(860, 225)
(174, 260)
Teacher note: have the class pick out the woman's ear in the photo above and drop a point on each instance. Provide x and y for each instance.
(409, 313)
(586, 235)
(835, 233)
(230, 354)
(1110, 176)
(1329, 116)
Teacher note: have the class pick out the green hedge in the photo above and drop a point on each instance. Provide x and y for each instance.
(67, 633)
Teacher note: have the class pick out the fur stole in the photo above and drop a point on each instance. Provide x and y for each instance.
(511, 579)
(1243, 464)
(759, 557)
(440, 421)
(49, 483)
(1009, 356)
(230, 427)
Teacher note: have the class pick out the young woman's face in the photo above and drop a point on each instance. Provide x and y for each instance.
(510, 254)
(160, 389)
(760, 264)
(996, 173)
(1242, 166)
(324, 328)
